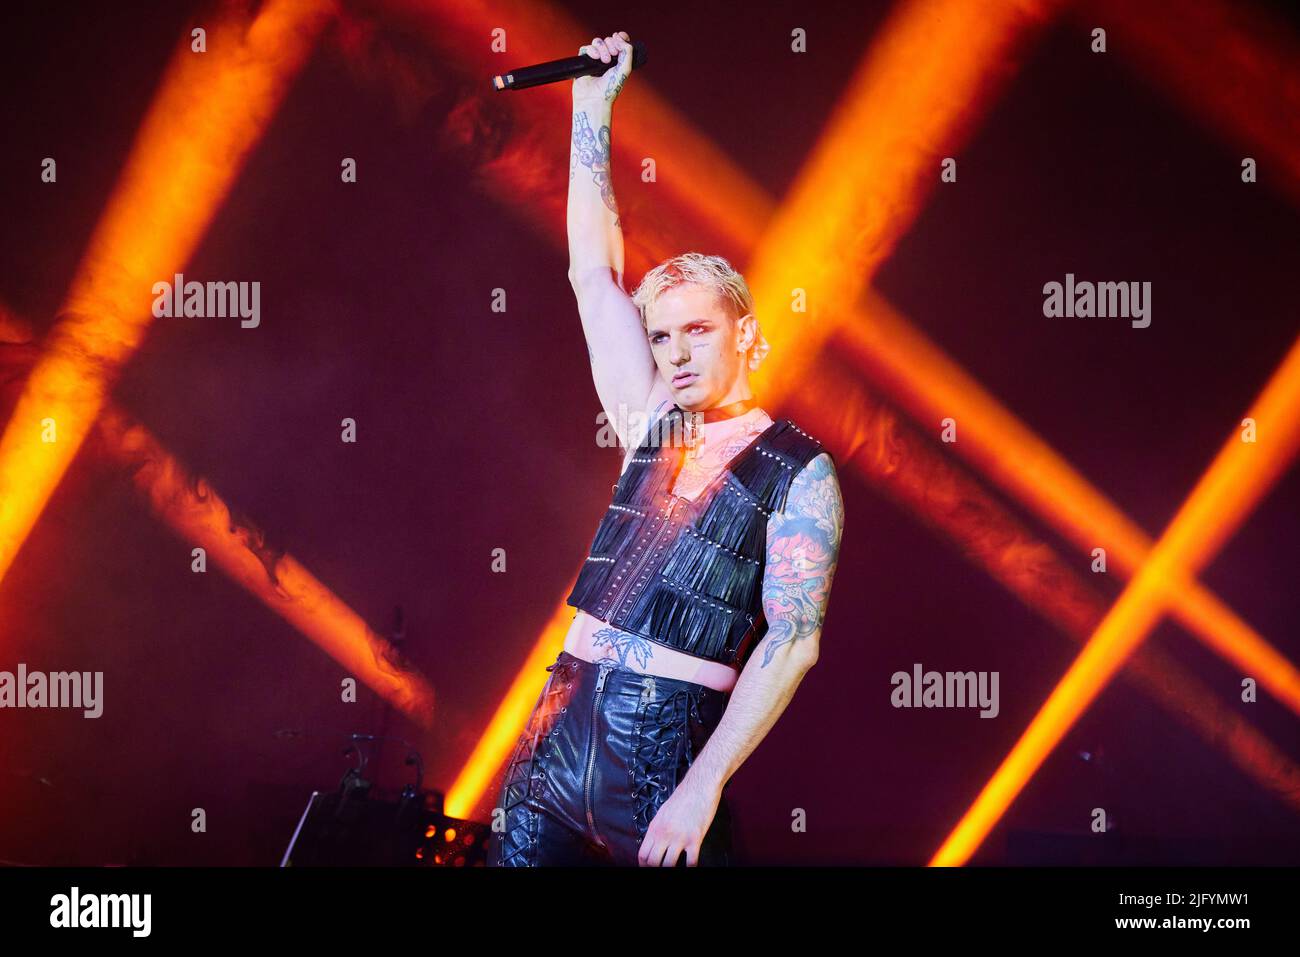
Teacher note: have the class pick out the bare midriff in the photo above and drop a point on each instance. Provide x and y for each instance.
(594, 640)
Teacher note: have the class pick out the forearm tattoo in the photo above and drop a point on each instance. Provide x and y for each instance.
(593, 151)
(621, 645)
(614, 84)
(803, 546)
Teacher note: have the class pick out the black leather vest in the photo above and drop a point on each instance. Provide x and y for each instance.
(689, 574)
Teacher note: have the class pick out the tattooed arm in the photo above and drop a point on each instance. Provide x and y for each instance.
(622, 365)
(803, 545)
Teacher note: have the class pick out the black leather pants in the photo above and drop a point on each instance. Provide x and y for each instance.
(603, 749)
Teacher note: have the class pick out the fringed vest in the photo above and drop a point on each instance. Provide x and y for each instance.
(689, 574)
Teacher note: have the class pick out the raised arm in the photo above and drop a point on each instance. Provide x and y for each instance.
(622, 365)
(803, 546)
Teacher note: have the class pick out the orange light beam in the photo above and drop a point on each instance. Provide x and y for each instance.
(198, 515)
(931, 386)
(1240, 475)
(1231, 66)
(210, 109)
(929, 76)
(497, 742)
(195, 511)
(916, 474)
(692, 167)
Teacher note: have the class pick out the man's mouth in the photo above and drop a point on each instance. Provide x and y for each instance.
(684, 378)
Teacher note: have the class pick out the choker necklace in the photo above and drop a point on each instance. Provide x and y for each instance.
(693, 420)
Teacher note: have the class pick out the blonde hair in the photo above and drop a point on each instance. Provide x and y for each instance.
(712, 272)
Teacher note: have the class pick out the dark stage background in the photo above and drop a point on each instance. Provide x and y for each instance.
(476, 432)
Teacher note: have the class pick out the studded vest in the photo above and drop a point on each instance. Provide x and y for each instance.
(686, 573)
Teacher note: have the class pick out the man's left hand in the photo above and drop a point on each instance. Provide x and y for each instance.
(679, 825)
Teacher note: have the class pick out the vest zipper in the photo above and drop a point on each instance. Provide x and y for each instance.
(591, 750)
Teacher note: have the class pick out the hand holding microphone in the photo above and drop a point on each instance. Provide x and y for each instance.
(608, 85)
(598, 72)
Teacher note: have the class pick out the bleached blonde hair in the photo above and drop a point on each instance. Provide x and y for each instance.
(712, 272)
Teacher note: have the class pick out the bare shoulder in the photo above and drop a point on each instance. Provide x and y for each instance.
(814, 502)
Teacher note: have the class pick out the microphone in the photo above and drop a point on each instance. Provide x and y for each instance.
(568, 68)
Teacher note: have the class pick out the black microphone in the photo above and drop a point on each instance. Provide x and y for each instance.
(568, 68)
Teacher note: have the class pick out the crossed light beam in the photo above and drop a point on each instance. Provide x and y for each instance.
(1240, 475)
(1264, 57)
(181, 166)
(209, 112)
(910, 36)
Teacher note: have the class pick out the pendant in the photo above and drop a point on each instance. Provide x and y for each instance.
(693, 437)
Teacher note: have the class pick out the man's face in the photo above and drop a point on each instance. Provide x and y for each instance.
(696, 345)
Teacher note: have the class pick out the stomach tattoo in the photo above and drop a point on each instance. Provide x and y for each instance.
(621, 647)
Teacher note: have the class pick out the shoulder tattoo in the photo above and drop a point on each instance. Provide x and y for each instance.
(803, 546)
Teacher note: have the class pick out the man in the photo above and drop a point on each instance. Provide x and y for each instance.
(700, 606)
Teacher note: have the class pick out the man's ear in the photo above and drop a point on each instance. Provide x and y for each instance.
(747, 327)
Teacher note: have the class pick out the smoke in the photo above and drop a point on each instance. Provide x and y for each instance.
(384, 59)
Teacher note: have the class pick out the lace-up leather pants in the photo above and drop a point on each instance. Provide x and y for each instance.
(603, 749)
